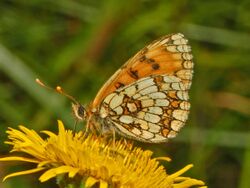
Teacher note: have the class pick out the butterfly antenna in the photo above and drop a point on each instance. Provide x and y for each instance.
(43, 85)
(58, 89)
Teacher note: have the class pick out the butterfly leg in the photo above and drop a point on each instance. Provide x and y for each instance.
(74, 130)
(113, 133)
(86, 132)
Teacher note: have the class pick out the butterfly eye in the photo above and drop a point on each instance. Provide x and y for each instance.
(79, 111)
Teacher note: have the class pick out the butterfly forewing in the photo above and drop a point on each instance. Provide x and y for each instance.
(169, 55)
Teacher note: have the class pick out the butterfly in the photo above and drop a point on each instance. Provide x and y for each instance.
(147, 98)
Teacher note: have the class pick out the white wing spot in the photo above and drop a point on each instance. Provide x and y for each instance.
(176, 125)
(155, 110)
(183, 95)
(147, 135)
(161, 102)
(187, 56)
(131, 107)
(147, 103)
(154, 128)
(148, 90)
(178, 86)
(130, 91)
(172, 134)
(185, 74)
(181, 115)
(152, 118)
(172, 49)
(180, 41)
(136, 131)
(118, 110)
(116, 101)
(126, 119)
(109, 97)
(145, 83)
(170, 79)
(157, 95)
(185, 105)
(184, 48)
(177, 36)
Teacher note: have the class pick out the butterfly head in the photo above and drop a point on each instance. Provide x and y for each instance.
(79, 111)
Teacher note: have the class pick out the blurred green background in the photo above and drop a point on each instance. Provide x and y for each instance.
(78, 44)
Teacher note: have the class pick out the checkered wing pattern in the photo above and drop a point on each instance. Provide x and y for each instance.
(151, 109)
(147, 98)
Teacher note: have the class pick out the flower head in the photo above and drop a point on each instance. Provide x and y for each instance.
(91, 160)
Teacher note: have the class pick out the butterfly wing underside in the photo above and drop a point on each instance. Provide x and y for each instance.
(151, 109)
(147, 98)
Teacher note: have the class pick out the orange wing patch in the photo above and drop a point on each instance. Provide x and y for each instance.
(169, 55)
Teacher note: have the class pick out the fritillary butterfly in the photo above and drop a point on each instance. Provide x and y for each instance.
(147, 98)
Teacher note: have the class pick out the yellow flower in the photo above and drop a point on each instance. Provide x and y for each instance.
(71, 157)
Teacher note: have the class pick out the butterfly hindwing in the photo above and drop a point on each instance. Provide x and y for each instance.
(151, 109)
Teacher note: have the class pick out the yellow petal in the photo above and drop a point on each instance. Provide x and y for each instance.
(23, 173)
(181, 171)
(43, 163)
(50, 134)
(19, 159)
(60, 126)
(73, 172)
(189, 183)
(103, 184)
(163, 159)
(91, 181)
(55, 171)
(31, 134)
